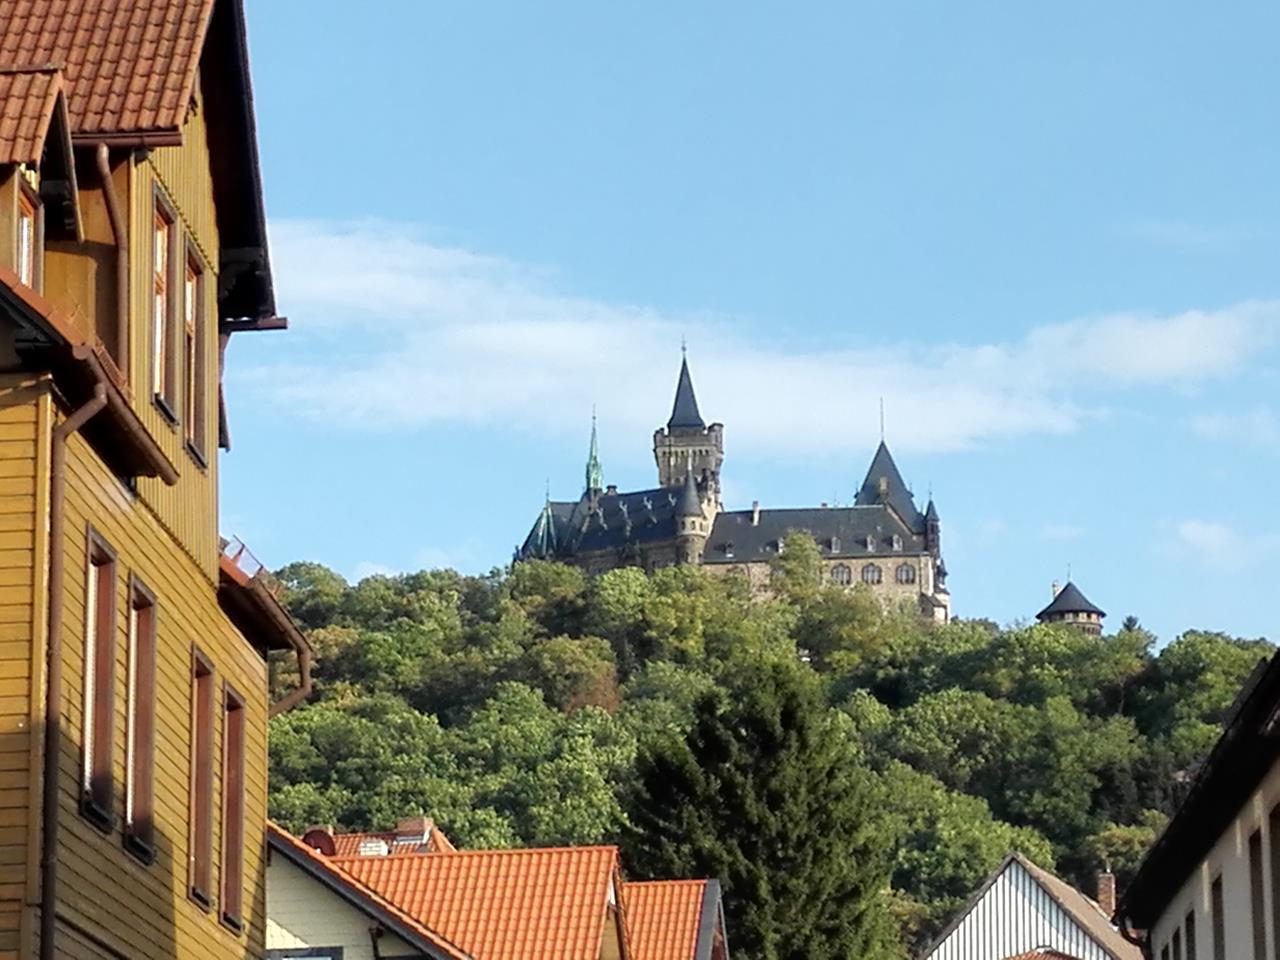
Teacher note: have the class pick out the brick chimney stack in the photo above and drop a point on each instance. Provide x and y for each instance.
(1107, 890)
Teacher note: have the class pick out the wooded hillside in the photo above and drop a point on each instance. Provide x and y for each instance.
(538, 706)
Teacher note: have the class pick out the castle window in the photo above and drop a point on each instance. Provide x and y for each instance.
(872, 574)
(905, 573)
(841, 575)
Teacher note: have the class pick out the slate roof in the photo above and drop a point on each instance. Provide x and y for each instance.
(896, 494)
(684, 412)
(640, 517)
(130, 67)
(1069, 600)
(325, 871)
(839, 531)
(28, 96)
(536, 904)
(671, 919)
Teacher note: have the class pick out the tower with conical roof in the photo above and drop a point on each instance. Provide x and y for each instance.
(692, 525)
(1072, 607)
(688, 444)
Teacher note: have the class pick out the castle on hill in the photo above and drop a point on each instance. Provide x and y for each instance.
(882, 541)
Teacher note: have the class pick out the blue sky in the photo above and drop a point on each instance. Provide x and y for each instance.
(1045, 234)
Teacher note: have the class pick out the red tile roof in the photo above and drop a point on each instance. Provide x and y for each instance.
(1042, 955)
(130, 67)
(541, 904)
(348, 844)
(663, 917)
(28, 96)
(299, 852)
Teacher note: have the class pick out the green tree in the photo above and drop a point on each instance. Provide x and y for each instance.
(764, 794)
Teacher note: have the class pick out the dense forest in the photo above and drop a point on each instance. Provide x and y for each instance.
(862, 762)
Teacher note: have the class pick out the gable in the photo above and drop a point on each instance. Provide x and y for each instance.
(1013, 915)
(302, 912)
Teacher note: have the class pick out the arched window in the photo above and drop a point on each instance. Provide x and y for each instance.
(872, 574)
(841, 574)
(905, 573)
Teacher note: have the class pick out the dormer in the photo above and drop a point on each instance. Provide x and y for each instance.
(38, 195)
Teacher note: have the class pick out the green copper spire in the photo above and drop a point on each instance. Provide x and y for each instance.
(595, 474)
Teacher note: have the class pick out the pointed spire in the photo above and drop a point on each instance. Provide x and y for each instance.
(884, 484)
(595, 473)
(689, 504)
(684, 412)
(931, 512)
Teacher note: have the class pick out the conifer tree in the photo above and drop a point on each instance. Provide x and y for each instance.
(766, 793)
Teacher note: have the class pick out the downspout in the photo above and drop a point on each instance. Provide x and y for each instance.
(375, 934)
(122, 259)
(295, 697)
(53, 668)
(1140, 941)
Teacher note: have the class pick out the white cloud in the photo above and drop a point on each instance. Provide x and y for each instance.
(1216, 544)
(1258, 427)
(393, 331)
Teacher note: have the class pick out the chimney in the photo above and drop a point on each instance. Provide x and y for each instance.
(1107, 890)
(755, 513)
(413, 829)
(824, 504)
(611, 490)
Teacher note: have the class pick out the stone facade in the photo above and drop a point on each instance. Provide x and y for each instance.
(882, 541)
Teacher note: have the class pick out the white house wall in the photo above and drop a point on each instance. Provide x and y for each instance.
(1015, 915)
(302, 912)
(1230, 858)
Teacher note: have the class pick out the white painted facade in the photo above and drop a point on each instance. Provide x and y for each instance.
(1014, 915)
(302, 912)
(1229, 859)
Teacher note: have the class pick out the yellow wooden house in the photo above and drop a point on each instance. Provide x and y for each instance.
(133, 641)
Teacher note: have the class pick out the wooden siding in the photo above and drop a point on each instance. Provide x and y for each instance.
(1015, 915)
(106, 896)
(21, 463)
(181, 175)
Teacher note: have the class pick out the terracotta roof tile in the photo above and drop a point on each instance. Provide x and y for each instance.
(129, 66)
(348, 844)
(316, 862)
(28, 96)
(663, 918)
(540, 904)
(1042, 955)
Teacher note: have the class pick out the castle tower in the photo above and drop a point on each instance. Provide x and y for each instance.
(1071, 607)
(692, 525)
(687, 445)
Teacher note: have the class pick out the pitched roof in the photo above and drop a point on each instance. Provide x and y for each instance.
(1093, 924)
(331, 875)
(28, 97)
(1069, 600)
(130, 67)
(503, 904)
(1244, 754)
(348, 844)
(739, 536)
(665, 918)
(684, 412)
(884, 484)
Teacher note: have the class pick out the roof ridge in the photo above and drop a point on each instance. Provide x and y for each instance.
(589, 848)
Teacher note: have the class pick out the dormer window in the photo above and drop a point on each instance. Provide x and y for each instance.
(28, 245)
(870, 542)
(835, 544)
(897, 542)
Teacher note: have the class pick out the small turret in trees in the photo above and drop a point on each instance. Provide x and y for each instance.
(766, 793)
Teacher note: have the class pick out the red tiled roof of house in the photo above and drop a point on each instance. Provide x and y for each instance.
(316, 863)
(663, 917)
(348, 844)
(129, 67)
(1042, 955)
(27, 99)
(539, 904)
